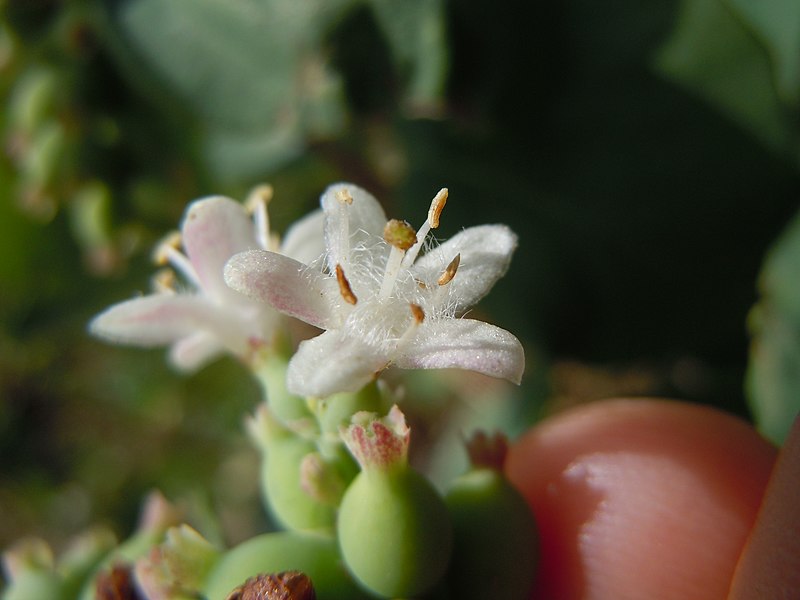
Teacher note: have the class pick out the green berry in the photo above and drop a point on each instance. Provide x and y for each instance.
(394, 532)
(316, 556)
(291, 504)
(393, 527)
(494, 533)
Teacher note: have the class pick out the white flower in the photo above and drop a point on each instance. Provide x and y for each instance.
(202, 322)
(381, 302)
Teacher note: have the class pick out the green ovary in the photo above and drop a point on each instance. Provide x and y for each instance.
(394, 532)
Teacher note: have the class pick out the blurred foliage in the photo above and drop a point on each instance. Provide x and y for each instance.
(773, 376)
(646, 154)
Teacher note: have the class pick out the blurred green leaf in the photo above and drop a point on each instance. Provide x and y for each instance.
(252, 75)
(773, 377)
(777, 23)
(415, 31)
(711, 53)
(245, 70)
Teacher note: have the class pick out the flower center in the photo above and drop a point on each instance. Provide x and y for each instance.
(400, 236)
(397, 283)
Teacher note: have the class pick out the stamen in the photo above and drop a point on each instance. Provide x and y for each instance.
(345, 199)
(450, 271)
(171, 241)
(344, 286)
(419, 314)
(437, 205)
(419, 317)
(167, 253)
(432, 222)
(343, 196)
(164, 281)
(256, 204)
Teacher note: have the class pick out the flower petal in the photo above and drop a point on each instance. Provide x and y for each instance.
(485, 255)
(195, 351)
(162, 319)
(214, 229)
(286, 284)
(362, 220)
(304, 241)
(464, 344)
(333, 362)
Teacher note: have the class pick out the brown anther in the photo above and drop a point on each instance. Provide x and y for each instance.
(172, 241)
(259, 195)
(399, 234)
(343, 195)
(437, 205)
(419, 314)
(450, 271)
(288, 585)
(344, 286)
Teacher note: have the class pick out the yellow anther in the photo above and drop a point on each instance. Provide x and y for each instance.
(259, 197)
(164, 281)
(450, 271)
(417, 312)
(344, 286)
(437, 205)
(343, 195)
(167, 247)
(399, 234)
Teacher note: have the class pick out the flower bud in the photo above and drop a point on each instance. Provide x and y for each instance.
(494, 532)
(314, 555)
(29, 566)
(292, 504)
(177, 567)
(158, 515)
(393, 527)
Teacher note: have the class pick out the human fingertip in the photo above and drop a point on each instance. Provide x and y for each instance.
(640, 498)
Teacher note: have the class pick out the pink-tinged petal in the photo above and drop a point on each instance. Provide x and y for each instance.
(485, 251)
(362, 220)
(215, 229)
(196, 351)
(464, 344)
(333, 362)
(304, 240)
(288, 285)
(163, 319)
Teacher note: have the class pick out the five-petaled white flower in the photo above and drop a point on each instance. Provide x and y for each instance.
(201, 323)
(381, 301)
